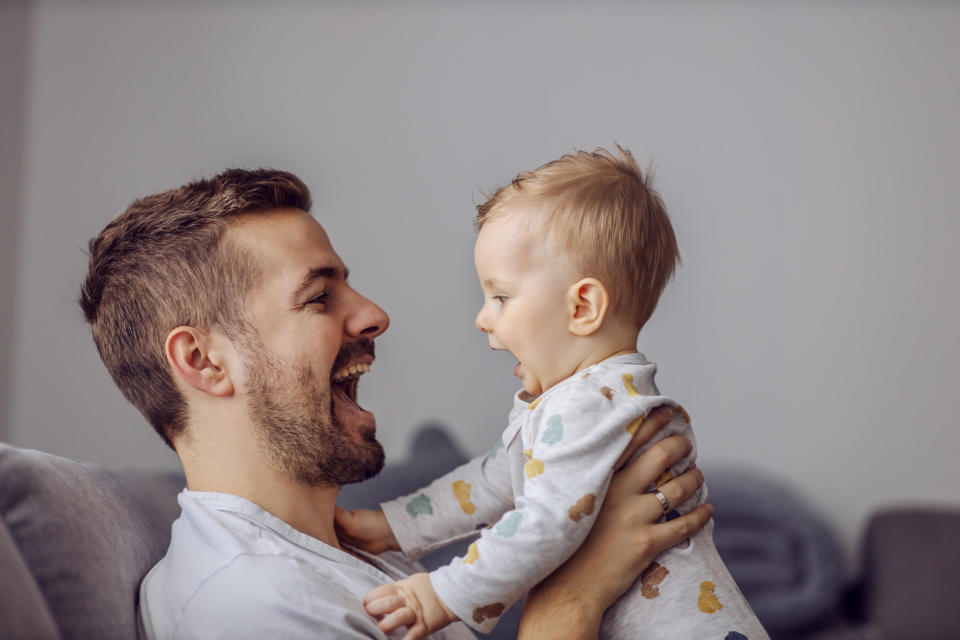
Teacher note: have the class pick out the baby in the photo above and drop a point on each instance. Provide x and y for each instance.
(572, 259)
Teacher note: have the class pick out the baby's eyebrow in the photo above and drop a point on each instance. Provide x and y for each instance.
(492, 283)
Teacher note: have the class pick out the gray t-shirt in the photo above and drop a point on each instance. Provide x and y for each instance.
(235, 571)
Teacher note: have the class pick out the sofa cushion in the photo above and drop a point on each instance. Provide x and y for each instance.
(786, 560)
(87, 535)
(912, 572)
(23, 610)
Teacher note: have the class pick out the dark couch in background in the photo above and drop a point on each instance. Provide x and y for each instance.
(76, 539)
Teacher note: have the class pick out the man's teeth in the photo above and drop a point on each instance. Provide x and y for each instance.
(352, 370)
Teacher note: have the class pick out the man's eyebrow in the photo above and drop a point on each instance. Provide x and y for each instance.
(327, 273)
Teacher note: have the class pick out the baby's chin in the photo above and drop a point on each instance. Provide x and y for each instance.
(532, 387)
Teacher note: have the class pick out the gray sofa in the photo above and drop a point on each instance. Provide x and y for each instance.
(75, 540)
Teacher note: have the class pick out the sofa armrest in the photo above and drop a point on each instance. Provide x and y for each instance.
(85, 536)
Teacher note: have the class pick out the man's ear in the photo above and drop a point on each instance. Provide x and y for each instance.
(197, 358)
(587, 304)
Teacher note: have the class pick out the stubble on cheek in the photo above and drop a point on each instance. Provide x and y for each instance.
(299, 431)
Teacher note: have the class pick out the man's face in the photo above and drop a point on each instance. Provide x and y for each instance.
(312, 339)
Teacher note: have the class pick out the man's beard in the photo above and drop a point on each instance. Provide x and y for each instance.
(292, 409)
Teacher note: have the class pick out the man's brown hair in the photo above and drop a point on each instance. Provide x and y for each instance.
(601, 213)
(163, 263)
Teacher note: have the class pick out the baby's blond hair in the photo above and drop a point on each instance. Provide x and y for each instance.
(601, 212)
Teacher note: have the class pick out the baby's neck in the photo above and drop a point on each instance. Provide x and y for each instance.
(594, 359)
(608, 343)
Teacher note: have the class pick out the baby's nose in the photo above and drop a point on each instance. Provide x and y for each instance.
(481, 322)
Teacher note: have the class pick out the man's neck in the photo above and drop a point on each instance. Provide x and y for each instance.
(306, 509)
(242, 471)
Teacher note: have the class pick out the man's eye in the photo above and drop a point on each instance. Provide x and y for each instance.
(323, 298)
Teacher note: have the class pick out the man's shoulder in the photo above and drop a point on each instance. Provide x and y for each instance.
(262, 596)
(224, 573)
(273, 593)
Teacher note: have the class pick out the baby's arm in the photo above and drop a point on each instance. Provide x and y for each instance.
(410, 602)
(453, 507)
(476, 493)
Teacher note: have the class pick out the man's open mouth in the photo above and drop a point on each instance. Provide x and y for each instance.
(344, 382)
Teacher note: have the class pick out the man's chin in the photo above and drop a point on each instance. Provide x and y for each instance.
(372, 462)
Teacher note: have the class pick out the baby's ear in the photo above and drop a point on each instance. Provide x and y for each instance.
(587, 304)
(198, 358)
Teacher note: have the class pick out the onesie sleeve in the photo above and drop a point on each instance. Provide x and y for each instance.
(454, 506)
(570, 446)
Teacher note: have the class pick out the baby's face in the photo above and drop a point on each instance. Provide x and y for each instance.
(524, 301)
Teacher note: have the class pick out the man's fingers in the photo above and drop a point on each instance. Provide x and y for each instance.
(649, 465)
(658, 419)
(675, 531)
(677, 490)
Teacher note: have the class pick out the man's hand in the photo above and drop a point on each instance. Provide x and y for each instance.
(365, 529)
(410, 603)
(625, 538)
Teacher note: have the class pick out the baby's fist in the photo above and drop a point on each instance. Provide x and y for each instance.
(365, 529)
(410, 603)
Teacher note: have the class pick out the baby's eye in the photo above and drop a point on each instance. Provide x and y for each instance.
(500, 299)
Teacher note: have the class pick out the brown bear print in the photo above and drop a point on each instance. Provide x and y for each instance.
(584, 507)
(490, 611)
(650, 580)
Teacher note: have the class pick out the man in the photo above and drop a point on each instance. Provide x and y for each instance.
(224, 314)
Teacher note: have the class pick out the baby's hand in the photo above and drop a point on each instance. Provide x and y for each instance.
(365, 529)
(410, 603)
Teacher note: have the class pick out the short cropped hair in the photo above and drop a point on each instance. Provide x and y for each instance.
(601, 212)
(164, 262)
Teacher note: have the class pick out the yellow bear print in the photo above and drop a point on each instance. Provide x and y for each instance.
(461, 491)
(708, 602)
(628, 385)
(534, 466)
(472, 554)
(664, 478)
(635, 424)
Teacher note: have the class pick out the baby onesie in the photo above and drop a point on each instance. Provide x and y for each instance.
(535, 495)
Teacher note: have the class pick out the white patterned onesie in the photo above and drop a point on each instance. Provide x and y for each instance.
(541, 487)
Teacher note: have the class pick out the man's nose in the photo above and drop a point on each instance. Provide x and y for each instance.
(368, 320)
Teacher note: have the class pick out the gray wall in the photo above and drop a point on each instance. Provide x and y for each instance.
(807, 152)
(14, 52)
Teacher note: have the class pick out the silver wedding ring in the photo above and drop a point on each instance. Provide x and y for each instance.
(662, 499)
